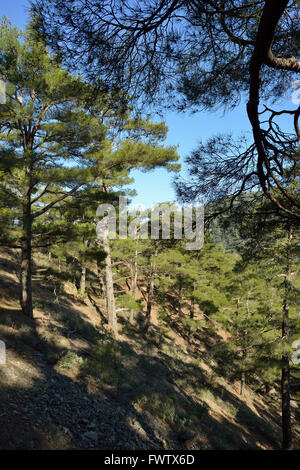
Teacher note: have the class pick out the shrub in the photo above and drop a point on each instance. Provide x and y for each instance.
(70, 360)
(162, 405)
(105, 362)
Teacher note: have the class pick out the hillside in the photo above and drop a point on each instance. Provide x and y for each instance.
(66, 385)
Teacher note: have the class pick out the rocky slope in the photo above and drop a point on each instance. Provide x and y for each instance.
(66, 385)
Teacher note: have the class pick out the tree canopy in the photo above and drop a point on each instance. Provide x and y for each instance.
(194, 55)
(57, 140)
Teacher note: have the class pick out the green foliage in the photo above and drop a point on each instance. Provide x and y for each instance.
(126, 301)
(104, 362)
(70, 360)
(192, 324)
(162, 405)
(227, 359)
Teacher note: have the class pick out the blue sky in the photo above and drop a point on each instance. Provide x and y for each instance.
(185, 130)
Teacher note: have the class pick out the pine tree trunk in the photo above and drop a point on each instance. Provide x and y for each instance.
(285, 371)
(83, 280)
(26, 277)
(150, 292)
(243, 382)
(285, 404)
(243, 374)
(134, 283)
(267, 388)
(192, 306)
(26, 248)
(101, 279)
(179, 296)
(192, 310)
(244, 352)
(110, 298)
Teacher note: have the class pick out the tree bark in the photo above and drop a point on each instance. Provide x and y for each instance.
(83, 280)
(244, 351)
(150, 292)
(26, 241)
(243, 374)
(134, 282)
(149, 299)
(192, 306)
(26, 269)
(101, 276)
(285, 404)
(110, 298)
(179, 296)
(262, 54)
(285, 371)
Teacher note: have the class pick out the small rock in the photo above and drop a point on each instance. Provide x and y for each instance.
(90, 435)
(83, 421)
(92, 425)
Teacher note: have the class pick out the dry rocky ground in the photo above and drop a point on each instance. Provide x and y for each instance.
(67, 386)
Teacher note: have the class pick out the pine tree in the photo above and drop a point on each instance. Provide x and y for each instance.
(42, 128)
(276, 243)
(57, 140)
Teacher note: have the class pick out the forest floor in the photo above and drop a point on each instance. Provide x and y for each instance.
(66, 385)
